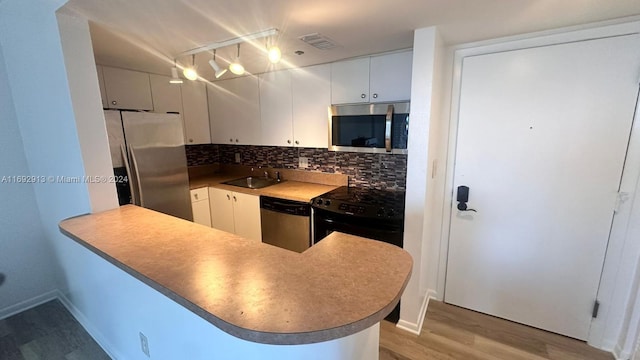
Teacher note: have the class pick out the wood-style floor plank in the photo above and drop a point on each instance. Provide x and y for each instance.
(451, 333)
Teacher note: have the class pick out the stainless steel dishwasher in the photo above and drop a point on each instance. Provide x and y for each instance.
(286, 223)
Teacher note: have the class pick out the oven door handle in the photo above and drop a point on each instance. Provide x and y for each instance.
(387, 128)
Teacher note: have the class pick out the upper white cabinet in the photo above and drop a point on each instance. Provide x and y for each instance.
(350, 81)
(294, 106)
(380, 78)
(275, 108)
(390, 77)
(311, 98)
(166, 97)
(127, 89)
(195, 113)
(103, 92)
(234, 111)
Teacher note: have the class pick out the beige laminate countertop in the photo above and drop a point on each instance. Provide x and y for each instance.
(288, 189)
(251, 290)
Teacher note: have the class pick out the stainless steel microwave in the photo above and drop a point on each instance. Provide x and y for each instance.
(372, 128)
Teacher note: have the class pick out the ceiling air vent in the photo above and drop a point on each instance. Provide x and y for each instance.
(318, 41)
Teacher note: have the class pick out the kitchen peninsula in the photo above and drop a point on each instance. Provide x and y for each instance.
(340, 288)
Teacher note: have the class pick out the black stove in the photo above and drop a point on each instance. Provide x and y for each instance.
(369, 213)
(363, 203)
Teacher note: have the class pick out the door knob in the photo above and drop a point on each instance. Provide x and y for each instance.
(462, 198)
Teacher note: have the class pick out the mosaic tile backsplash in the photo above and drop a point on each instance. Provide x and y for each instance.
(379, 171)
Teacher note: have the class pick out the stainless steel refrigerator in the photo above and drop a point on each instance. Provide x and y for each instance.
(151, 148)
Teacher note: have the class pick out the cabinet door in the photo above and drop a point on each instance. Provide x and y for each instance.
(350, 81)
(236, 110)
(195, 113)
(311, 92)
(127, 89)
(221, 131)
(166, 97)
(200, 206)
(246, 215)
(221, 207)
(391, 77)
(275, 108)
(103, 92)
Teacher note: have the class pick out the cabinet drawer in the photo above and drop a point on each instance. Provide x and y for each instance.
(199, 194)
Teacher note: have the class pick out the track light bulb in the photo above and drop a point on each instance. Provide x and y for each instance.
(190, 73)
(274, 54)
(236, 68)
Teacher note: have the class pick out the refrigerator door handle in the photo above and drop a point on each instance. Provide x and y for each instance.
(132, 181)
(136, 196)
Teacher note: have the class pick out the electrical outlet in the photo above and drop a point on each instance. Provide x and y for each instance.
(237, 158)
(303, 162)
(144, 344)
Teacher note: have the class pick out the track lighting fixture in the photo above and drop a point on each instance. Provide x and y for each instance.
(236, 67)
(174, 74)
(190, 72)
(216, 68)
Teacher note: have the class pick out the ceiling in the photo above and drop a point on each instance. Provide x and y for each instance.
(147, 35)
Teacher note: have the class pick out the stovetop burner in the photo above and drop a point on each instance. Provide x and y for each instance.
(361, 202)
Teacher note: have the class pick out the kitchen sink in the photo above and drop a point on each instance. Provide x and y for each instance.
(252, 182)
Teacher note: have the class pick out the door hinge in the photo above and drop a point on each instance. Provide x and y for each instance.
(596, 306)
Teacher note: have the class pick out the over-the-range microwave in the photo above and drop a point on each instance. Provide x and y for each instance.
(372, 128)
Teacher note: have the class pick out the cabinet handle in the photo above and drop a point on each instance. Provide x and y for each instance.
(363, 95)
(230, 140)
(297, 142)
(236, 140)
(234, 198)
(195, 196)
(288, 141)
(228, 197)
(190, 140)
(375, 96)
(114, 102)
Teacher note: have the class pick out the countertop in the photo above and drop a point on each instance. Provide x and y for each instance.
(288, 189)
(251, 290)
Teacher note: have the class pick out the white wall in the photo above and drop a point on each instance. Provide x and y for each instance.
(87, 107)
(24, 253)
(417, 225)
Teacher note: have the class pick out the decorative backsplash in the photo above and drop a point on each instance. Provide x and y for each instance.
(380, 171)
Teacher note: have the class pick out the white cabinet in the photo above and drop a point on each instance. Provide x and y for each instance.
(350, 81)
(294, 106)
(236, 213)
(390, 77)
(127, 89)
(166, 97)
(195, 113)
(311, 98)
(275, 108)
(234, 111)
(103, 92)
(200, 206)
(378, 78)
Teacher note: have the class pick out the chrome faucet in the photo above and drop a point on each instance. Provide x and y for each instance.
(278, 176)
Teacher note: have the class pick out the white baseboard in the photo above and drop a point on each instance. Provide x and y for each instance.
(87, 325)
(28, 304)
(416, 328)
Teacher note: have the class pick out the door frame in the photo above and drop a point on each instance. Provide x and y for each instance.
(621, 259)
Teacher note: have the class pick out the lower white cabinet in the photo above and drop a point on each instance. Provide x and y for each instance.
(200, 206)
(236, 213)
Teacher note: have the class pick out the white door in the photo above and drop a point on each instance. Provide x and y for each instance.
(541, 143)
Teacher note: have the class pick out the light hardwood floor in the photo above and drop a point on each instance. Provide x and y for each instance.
(450, 332)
